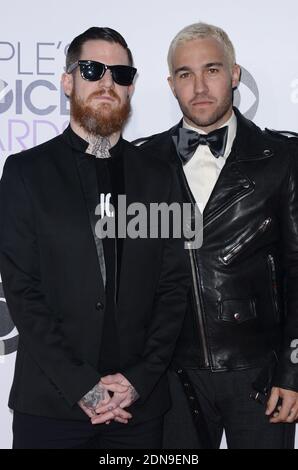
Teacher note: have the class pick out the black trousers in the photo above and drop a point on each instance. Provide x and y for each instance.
(226, 406)
(36, 432)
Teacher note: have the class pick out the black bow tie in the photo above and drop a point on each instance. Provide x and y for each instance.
(187, 142)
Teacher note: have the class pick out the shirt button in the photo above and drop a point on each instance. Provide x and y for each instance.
(99, 306)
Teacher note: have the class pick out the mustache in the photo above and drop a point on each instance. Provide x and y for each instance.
(199, 97)
(104, 91)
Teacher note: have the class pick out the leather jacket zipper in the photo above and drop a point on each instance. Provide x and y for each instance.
(241, 245)
(196, 289)
(224, 208)
(196, 281)
(273, 276)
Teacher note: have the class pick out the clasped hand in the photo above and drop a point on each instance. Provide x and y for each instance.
(107, 400)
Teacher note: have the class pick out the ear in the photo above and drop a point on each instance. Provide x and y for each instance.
(130, 91)
(172, 86)
(67, 83)
(236, 72)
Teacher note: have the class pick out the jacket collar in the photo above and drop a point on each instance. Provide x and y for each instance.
(78, 144)
(233, 184)
(250, 142)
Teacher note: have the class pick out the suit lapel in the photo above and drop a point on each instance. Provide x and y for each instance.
(133, 191)
(234, 184)
(88, 178)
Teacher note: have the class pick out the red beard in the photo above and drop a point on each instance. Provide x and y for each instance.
(103, 120)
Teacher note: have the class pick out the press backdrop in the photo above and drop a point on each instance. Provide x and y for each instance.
(34, 36)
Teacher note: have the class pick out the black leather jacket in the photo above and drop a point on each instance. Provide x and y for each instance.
(244, 303)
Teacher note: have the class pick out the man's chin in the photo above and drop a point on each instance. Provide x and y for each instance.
(207, 120)
(102, 112)
(102, 106)
(98, 117)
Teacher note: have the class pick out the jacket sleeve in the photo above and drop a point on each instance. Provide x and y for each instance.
(167, 315)
(38, 326)
(286, 375)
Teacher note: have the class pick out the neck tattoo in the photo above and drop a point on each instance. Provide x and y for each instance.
(98, 146)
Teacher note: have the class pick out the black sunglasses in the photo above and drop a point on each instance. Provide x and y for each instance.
(93, 71)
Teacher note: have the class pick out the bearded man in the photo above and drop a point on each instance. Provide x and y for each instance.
(97, 317)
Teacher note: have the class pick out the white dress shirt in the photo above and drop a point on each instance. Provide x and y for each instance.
(203, 169)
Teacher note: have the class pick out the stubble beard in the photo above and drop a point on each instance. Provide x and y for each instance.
(213, 118)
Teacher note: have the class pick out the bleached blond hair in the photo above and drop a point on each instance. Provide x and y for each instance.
(202, 31)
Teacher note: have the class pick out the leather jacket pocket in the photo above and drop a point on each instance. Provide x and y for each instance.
(237, 310)
(243, 243)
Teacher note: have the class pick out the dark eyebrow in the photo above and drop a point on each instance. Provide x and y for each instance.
(182, 69)
(213, 64)
(185, 68)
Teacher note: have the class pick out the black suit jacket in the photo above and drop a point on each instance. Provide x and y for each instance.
(52, 268)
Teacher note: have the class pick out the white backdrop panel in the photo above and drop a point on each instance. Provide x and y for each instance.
(33, 39)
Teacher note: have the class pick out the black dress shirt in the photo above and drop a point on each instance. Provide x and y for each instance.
(110, 180)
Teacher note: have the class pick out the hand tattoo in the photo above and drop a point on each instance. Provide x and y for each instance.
(93, 398)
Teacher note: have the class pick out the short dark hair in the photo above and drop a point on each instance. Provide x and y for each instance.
(105, 34)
